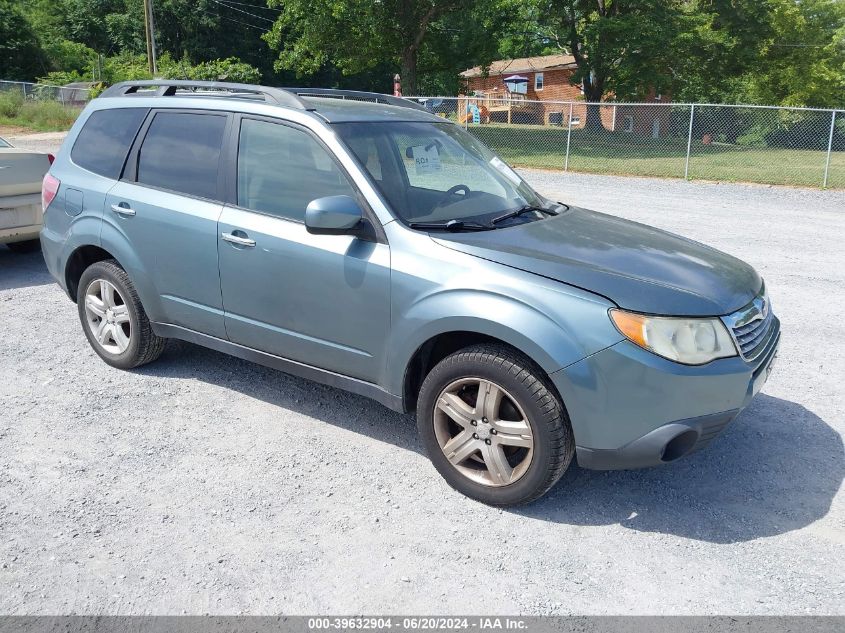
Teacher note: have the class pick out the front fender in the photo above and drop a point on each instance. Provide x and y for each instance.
(551, 339)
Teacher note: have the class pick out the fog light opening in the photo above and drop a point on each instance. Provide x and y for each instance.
(679, 446)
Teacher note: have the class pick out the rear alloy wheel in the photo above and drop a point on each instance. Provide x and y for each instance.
(114, 319)
(493, 426)
(108, 316)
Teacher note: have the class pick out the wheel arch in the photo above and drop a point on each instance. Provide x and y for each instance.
(79, 260)
(441, 345)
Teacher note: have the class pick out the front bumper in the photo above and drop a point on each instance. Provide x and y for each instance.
(631, 409)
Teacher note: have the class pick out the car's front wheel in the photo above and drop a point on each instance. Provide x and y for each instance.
(493, 426)
(114, 319)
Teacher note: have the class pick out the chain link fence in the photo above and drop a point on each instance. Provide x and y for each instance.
(66, 95)
(759, 144)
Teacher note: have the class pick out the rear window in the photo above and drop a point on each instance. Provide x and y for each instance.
(181, 152)
(104, 141)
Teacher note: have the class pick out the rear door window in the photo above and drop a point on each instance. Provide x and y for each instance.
(105, 139)
(181, 153)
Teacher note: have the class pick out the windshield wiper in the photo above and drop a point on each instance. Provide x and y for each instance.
(528, 208)
(452, 226)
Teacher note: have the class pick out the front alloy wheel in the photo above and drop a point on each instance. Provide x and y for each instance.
(493, 425)
(483, 431)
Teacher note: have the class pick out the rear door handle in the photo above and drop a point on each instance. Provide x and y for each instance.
(125, 211)
(237, 239)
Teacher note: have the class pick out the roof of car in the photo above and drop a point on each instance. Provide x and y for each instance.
(335, 110)
(332, 105)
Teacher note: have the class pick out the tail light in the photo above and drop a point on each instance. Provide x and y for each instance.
(49, 189)
(51, 158)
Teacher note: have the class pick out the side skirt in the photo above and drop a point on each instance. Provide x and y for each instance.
(285, 365)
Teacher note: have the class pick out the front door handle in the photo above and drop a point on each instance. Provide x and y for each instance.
(121, 210)
(237, 239)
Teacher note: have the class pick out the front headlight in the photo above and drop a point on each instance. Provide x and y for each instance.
(688, 341)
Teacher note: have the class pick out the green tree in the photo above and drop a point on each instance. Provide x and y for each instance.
(21, 55)
(714, 57)
(778, 52)
(621, 47)
(802, 63)
(356, 35)
(204, 30)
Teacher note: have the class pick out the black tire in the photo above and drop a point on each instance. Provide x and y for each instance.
(27, 246)
(144, 346)
(527, 384)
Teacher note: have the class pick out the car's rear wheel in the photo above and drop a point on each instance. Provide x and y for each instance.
(493, 426)
(27, 246)
(114, 319)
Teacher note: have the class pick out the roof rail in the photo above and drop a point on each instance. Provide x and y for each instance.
(168, 88)
(355, 94)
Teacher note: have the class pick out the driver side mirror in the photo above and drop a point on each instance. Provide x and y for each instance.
(334, 215)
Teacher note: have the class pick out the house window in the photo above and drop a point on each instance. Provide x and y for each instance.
(628, 125)
(575, 121)
(538, 81)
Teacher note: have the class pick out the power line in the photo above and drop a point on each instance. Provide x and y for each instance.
(220, 15)
(252, 15)
(254, 6)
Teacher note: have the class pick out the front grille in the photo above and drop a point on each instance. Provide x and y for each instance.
(752, 338)
(753, 327)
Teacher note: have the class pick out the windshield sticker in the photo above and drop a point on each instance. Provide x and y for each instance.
(509, 173)
(426, 158)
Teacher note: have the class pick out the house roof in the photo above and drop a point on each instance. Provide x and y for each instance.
(521, 65)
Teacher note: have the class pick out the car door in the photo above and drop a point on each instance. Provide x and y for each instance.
(322, 300)
(166, 208)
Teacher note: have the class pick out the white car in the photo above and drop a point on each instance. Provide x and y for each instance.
(21, 173)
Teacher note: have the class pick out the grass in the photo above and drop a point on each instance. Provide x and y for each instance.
(601, 152)
(38, 116)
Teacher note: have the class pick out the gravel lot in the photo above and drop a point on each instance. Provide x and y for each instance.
(204, 484)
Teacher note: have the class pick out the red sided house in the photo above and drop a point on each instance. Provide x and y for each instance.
(509, 90)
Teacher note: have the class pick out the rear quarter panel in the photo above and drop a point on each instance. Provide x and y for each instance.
(74, 218)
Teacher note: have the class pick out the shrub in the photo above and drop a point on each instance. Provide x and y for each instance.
(37, 115)
(10, 104)
(60, 78)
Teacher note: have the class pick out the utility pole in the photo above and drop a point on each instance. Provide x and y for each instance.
(149, 27)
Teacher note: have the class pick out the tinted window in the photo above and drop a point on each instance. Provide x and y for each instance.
(104, 141)
(282, 169)
(181, 152)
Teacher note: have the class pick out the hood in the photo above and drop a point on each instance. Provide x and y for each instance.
(639, 268)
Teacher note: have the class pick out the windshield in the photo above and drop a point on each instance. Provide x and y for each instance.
(3, 143)
(436, 172)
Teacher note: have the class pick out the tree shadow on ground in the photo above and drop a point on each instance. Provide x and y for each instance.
(776, 469)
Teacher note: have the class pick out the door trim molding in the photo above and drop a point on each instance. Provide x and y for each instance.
(323, 376)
